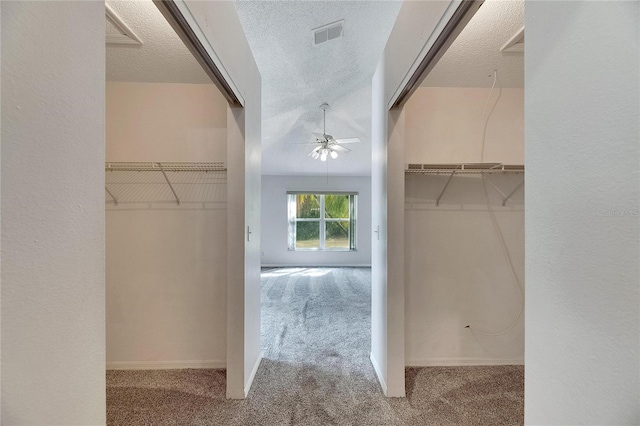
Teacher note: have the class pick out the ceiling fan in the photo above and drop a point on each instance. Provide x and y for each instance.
(326, 145)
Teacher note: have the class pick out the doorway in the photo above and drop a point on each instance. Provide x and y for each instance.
(165, 196)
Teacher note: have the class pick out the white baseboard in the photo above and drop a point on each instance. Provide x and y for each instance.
(279, 265)
(455, 362)
(376, 368)
(165, 365)
(252, 376)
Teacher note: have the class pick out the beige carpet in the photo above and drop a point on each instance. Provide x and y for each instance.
(316, 371)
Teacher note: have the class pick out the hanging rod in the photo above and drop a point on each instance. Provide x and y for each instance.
(167, 167)
(463, 168)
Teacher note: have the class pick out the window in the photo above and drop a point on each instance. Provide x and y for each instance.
(322, 221)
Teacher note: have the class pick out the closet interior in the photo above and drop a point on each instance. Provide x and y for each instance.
(165, 200)
(464, 199)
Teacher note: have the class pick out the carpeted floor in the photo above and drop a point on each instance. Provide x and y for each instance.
(316, 371)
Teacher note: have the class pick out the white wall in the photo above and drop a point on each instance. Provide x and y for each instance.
(582, 228)
(244, 236)
(166, 287)
(456, 270)
(219, 29)
(166, 264)
(379, 253)
(275, 251)
(445, 125)
(165, 122)
(457, 273)
(395, 247)
(0, 215)
(53, 351)
(387, 251)
(417, 26)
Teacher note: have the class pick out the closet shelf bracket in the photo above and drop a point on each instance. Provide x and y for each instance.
(169, 183)
(445, 188)
(115, 200)
(504, 200)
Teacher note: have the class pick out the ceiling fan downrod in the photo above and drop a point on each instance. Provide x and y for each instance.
(324, 108)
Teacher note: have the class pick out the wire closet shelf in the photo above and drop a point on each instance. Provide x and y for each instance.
(463, 168)
(466, 169)
(131, 182)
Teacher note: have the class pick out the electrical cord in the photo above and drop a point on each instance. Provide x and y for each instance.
(484, 111)
(503, 245)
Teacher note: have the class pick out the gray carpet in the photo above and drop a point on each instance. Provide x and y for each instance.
(316, 371)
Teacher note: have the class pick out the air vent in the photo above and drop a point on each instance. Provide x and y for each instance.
(328, 32)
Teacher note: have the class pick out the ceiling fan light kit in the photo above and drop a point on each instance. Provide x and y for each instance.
(326, 145)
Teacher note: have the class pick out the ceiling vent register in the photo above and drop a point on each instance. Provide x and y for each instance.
(328, 32)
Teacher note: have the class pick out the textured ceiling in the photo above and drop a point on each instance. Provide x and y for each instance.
(162, 58)
(298, 76)
(473, 56)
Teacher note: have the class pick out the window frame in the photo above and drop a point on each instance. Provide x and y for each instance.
(322, 220)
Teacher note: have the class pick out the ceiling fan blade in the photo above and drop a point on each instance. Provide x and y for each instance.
(318, 135)
(339, 148)
(316, 149)
(348, 140)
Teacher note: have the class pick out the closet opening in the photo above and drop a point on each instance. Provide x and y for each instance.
(166, 206)
(464, 205)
